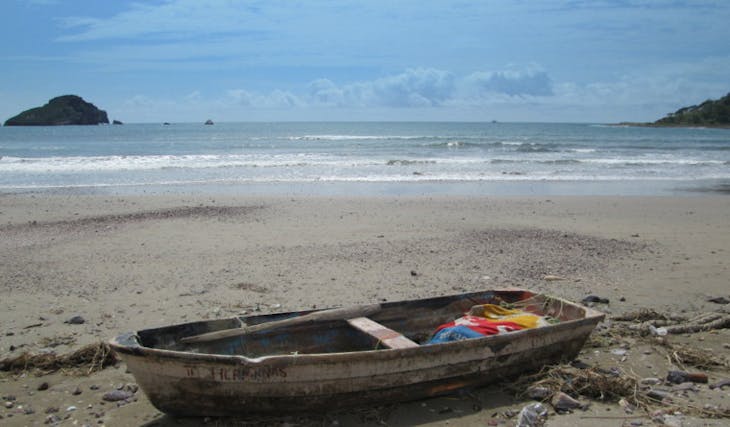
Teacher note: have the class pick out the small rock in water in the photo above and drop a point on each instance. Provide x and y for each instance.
(9, 405)
(76, 320)
(71, 408)
(76, 391)
(43, 386)
(116, 395)
(552, 278)
(718, 300)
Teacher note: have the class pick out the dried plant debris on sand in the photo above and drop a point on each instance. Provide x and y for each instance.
(649, 321)
(650, 324)
(609, 386)
(685, 355)
(589, 382)
(84, 361)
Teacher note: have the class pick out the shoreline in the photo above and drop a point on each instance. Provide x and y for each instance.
(425, 188)
(130, 262)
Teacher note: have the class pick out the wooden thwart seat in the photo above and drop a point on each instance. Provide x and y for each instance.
(386, 336)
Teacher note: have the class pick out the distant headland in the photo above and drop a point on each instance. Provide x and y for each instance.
(711, 113)
(62, 110)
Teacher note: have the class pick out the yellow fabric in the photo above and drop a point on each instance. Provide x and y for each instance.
(496, 312)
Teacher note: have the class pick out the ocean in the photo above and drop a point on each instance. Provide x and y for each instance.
(365, 158)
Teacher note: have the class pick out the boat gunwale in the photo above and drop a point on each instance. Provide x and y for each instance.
(119, 343)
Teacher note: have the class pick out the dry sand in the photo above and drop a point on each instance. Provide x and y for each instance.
(125, 263)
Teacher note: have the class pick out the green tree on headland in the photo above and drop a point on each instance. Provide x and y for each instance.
(709, 113)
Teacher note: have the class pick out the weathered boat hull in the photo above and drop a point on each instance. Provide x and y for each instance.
(190, 383)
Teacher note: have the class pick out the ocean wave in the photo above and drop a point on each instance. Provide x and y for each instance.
(399, 162)
(355, 137)
(461, 144)
(533, 147)
(651, 162)
(612, 162)
(168, 162)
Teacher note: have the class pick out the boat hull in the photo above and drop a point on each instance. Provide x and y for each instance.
(193, 384)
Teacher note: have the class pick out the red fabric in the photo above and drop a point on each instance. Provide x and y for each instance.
(482, 325)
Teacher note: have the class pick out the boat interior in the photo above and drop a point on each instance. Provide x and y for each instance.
(396, 325)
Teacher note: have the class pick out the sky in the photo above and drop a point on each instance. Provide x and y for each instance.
(405, 60)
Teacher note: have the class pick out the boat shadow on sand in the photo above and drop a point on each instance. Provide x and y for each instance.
(484, 403)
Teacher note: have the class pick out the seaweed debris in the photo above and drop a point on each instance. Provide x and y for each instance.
(84, 361)
(609, 386)
(684, 355)
(647, 321)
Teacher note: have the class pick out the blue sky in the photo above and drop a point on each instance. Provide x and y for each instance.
(243, 60)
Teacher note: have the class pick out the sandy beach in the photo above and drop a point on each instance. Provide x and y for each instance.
(129, 262)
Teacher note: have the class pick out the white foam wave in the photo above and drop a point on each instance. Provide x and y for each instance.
(211, 161)
(142, 163)
(633, 161)
(354, 137)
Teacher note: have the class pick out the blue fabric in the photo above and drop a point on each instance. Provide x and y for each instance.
(454, 333)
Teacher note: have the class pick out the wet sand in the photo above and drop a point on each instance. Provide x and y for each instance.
(125, 263)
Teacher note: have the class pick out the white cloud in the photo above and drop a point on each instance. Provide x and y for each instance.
(178, 19)
(276, 99)
(513, 93)
(529, 82)
(429, 87)
(420, 87)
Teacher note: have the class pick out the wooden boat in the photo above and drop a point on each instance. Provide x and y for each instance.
(314, 360)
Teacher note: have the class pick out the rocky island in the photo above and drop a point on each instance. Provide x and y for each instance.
(62, 110)
(711, 113)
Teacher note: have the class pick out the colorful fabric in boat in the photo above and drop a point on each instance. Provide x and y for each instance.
(496, 312)
(488, 319)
